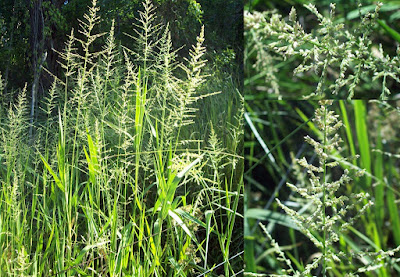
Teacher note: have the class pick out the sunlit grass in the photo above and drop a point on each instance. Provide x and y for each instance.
(134, 169)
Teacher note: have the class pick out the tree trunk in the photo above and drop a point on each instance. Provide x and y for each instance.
(38, 57)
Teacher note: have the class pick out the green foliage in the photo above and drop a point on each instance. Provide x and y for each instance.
(135, 166)
(185, 18)
(14, 46)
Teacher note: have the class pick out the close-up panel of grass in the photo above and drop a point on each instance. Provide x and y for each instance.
(131, 164)
(322, 49)
(322, 188)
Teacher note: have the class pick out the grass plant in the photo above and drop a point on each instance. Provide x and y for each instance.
(338, 216)
(338, 58)
(126, 174)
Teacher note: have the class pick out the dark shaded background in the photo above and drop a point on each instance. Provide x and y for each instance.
(30, 28)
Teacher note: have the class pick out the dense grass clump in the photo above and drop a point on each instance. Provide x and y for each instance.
(124, 173)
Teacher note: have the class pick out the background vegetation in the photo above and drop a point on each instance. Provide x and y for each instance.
(128, 162)
(29, 29)
(274, 137)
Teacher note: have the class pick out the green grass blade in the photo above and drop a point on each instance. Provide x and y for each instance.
(393, 211)
(360, 116)
(349, 134)
(393, 33)
(56, 179)
(379, 188)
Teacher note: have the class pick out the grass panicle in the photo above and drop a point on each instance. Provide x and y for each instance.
(125, 176)
(341, 58)
(329, 213)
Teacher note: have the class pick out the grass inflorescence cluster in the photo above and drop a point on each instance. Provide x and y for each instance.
(123, 173)
(326, 205)
(337, 214)
(338, 58)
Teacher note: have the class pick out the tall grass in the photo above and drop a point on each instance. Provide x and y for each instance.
(134, 168)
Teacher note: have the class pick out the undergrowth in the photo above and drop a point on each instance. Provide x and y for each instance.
(134, 167)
